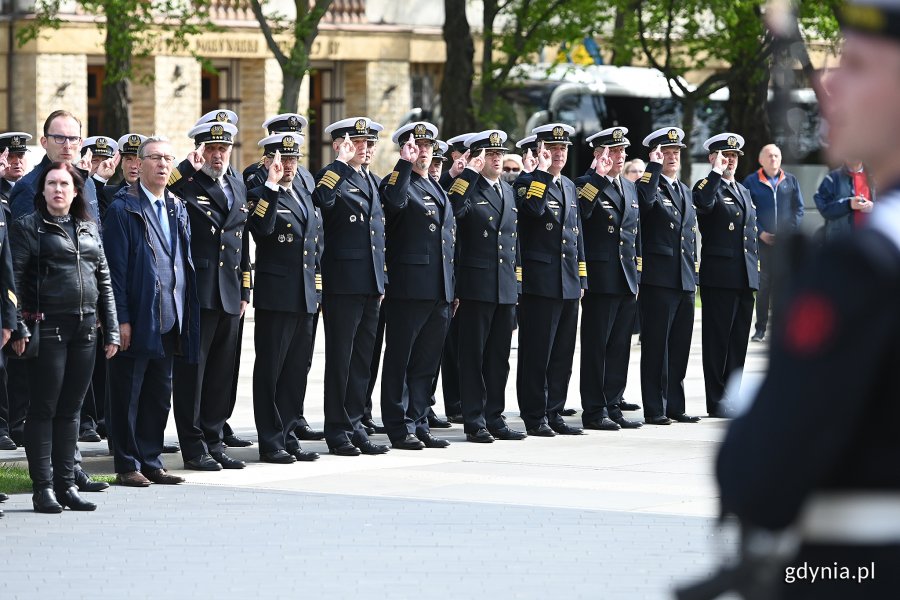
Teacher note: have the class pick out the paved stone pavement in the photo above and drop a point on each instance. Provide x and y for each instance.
(623, 514)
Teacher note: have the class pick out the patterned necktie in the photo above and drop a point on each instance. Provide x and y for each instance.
(163, 216)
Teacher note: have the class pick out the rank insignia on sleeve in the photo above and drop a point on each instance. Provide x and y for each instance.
(582, 269)
(536, 189)
(392, 178)
(175, 176)
(702, 184)
(645, 178)
(329, 179)
(588, 192)
(12, 297)
(261, 207)
(459, 187)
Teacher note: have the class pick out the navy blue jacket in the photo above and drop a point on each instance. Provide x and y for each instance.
(21, 200)
(833, 201)
(132, 267)
(786, 196)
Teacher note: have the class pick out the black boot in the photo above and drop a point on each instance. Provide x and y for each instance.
(44, 501)
(73, 501)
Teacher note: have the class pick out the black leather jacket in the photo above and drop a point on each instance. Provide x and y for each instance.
(74, 274)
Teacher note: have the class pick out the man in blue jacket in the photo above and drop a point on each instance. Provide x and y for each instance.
(844, 197)
(147, 235)
(779, 209)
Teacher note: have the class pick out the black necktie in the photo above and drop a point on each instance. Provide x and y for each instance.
(497, 189)
(618, 186)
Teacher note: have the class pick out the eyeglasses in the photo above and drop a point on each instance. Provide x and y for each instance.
(511, 169)
(167, 158)
(64, 139)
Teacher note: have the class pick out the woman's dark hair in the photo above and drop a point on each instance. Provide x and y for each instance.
(79, 207)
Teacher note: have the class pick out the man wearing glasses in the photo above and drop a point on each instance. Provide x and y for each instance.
(62, 142)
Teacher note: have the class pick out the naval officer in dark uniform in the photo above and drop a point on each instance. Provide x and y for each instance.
(420, 245)
(130, 165)
(486, 285)
(285, 227)
(554, 277)
(255, 175)
(729, 268)
(352, 284)
(610, 217)
(217, 206)
(668, 278)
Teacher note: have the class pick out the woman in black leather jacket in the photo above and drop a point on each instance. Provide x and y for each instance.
(57, 254)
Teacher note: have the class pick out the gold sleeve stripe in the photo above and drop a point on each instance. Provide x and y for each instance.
(459, 187)
(582, 269)
(175, 176)
(640, 264)
(261, 207)
(12, 297)
(589, 192)
(246, 279)
(702, 184)
(536, 189)
(329, 180)
(318, 282)
(392, 179)
(519, 274)
(697, 266)
(645, 178)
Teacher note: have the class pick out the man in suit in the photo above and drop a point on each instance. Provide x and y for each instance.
(554, 277)
(255, 175)
(729, 268)
(420, 245)
(352, 284)
(610, 218)
(486, 285)
(147, 239)
(286, 228)
(668, 279)
(12, 405)
(217, 207)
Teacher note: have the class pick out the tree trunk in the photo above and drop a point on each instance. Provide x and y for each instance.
(688, 108)
(290, 93)
(119, 47)
(459, 71)
(748, 115)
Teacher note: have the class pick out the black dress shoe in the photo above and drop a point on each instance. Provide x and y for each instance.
(604, 424)
(432, 442)
(458, 419)
(507, 434)
(543, 430)
(658, 421)
(204, 462)
(368, 447)
(278, 457)
(722, 413)
(44, 501)
(86, 484)
(171, 448)
(480, 437)
(233, 441)
(6, 443)
(305, 455)
(69, 498)
(3, 497)
(435, 422)
(226, 461)
(370, 426)
(682, 418)
(89, 436)
(629, 406)
(568, 412)
(308, 434)
(410, 442)
(566, 429)
(628, 423)
(346, 449)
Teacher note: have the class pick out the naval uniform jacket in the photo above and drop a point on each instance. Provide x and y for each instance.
(552, 245)
(668, 232)
(486, 243)
(611, 224)
(729, 255)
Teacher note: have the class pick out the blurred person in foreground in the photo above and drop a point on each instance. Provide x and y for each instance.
(824, 466)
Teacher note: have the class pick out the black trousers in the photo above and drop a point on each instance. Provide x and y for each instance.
(140, 398)
(202, 391)
(226, 428)
(607, 321)
(94, 405)
(351, 321)
(283, 344)
(484, 334)
(414, 339)
(667, 318)
(766, 287)
(58, 377)
(376, 359)
(547, 332)
(727, 314)
(450, 370)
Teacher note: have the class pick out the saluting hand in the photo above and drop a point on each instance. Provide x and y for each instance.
(477, 162)
(195, 157)
(409, 151)
(346, 150)
(543, 158)
(276, 169)
(459, 164)
(107, 168)
(529, 162)
(656, 156)
(721, 163)
(603, 163)
(85, 163)
(4, 162)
